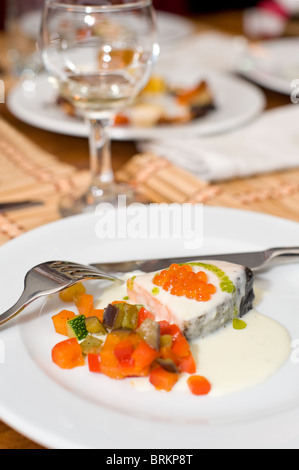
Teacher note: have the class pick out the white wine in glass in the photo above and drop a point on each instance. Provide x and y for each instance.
(99, 55)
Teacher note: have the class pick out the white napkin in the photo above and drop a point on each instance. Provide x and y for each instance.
(270, 143)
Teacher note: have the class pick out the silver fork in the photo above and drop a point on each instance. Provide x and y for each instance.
(50, 278)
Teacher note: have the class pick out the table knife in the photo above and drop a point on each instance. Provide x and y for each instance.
(257, 261)
(11, 206)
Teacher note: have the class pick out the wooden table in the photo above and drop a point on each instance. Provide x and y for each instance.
(63, 148)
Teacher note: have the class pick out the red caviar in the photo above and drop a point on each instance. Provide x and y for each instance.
(182, 281)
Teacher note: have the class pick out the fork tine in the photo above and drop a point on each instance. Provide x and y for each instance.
(52, 277)
(76, 269)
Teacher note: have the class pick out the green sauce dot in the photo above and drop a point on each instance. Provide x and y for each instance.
(130, 283)
(126, 298)
(155, 291)
(239, 324)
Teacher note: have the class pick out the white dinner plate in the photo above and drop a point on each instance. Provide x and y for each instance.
(237, 103)
(273, 64)
(171, 27)
(76, 409)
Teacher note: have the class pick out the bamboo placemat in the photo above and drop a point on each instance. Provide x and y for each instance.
(28, 172)
(161, 182)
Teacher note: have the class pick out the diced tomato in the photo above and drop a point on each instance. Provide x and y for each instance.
(199, 385)
(163, 380)
(84, 304)
(143, 315)
(164, 325)
(173, 330)
(94, 363)
(60, 320)
(167, 328)
(68, 354)
(180, 345)
(187, 364)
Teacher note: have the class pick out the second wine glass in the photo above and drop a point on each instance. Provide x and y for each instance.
(99, 57)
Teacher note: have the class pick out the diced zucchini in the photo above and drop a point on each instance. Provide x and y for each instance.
(76, 328)
(130, 316)
(149, 330)
(121, 315)
(165, 340)
(94, 326)
(91, 345)
(118, 319)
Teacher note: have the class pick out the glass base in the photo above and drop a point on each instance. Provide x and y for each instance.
(114, 194)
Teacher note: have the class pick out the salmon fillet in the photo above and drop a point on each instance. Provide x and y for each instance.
(233, 298)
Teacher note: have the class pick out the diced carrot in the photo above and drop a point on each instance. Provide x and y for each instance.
(84, 304)
(68, 295)
(187, 96)
(109, 362)
(110, 365)
(83, 33)
(163, 380)
(143, 315)
(187, 364)
(144, 356)
(68, 354)
(199, 385)
(123, 351)
(125, 355)
(166, 352)
(60, 320)
(94, 363)
(121, 120)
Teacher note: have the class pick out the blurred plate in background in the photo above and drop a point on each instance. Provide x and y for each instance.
(171, 27)
(237, 102)
(273, 64)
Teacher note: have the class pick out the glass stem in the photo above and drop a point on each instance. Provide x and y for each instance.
(100, 154)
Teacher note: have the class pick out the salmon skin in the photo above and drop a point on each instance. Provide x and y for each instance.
(198, 318)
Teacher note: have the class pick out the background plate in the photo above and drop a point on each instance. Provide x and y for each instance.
(273, 64)
(171, 28)
(238, 102)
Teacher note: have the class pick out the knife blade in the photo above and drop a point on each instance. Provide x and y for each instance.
(11, 206)
(257, 261)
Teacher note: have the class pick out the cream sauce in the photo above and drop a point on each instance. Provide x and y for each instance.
(232, 360)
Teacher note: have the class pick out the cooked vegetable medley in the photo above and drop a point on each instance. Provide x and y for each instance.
(121, 341)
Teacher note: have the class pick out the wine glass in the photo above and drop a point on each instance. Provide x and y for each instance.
(99, 55)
